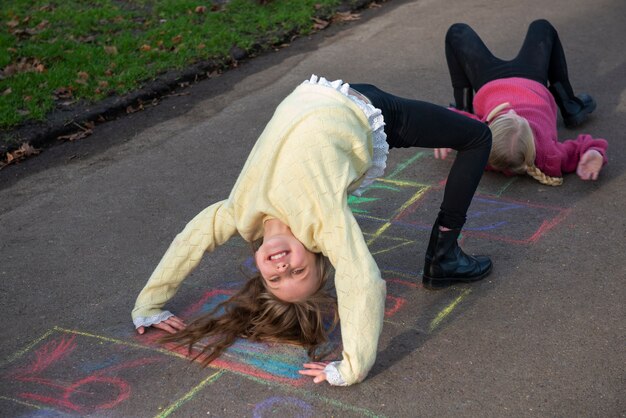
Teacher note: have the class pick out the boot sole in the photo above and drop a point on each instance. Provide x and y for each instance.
(438, 283)
(580, 117)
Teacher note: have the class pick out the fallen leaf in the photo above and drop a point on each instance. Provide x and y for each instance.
(131, 109)
(145, 47)
(7, 92)
(31, 31)
(23, 65)
(24, 151)
(42, 25)
(110, 50)
(84, 132)
(346, 17)
(86, 39)
(76, 136)
(66, 103)
(63, 93)
(200, 9)
(176, 39)
(319, 24)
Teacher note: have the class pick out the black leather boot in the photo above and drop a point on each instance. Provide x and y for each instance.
(574, 109)
(446, 263)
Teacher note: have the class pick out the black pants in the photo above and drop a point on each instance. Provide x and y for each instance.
(472, 65)
(413, 123)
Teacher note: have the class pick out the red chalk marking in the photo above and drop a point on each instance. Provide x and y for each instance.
(403, 282)
(70, 395)
(397, 304)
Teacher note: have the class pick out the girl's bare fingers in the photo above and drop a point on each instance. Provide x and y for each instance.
(177, 319)
(175, 322)
(317, 365)
(310, 372)
(320, 378)
(165, 327)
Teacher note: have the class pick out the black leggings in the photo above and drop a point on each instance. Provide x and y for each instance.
(413, 123)
(472, 65)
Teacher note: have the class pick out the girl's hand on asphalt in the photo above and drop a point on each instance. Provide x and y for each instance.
(315, 370)
(173, 324)
(442, 153)
(590, 165)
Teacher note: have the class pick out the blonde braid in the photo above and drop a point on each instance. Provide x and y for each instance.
(542, 178)
(496, 110)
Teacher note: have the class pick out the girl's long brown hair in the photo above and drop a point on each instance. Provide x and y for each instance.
(255, 314)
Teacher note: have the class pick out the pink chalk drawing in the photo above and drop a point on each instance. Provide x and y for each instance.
(49, 378)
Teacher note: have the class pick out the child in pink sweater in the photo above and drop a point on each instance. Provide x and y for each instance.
(513, 98)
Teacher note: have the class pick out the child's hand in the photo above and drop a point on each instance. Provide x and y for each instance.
(316, 370)
(590, 165)
(173, 324)
(442, 153)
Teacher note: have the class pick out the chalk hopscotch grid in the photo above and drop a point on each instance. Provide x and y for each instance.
(362, 210)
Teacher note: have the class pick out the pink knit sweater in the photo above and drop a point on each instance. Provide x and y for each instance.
(534, 102)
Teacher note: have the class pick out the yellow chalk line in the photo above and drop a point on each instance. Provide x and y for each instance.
(447, 310)
(406, 204)
(117, 341)
(190, 394)
(23, 351)
(24, 403)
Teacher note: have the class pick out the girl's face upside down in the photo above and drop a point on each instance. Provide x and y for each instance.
(287, 267)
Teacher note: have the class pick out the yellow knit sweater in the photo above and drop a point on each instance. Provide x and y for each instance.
(314, 150)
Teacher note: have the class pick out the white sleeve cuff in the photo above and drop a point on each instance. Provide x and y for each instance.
(142, 321)
(332, 374)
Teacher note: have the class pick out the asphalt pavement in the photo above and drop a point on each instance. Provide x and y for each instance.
(83, 225)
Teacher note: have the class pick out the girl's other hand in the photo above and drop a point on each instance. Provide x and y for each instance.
(590, 165)
(173, 324)
(315, 370)
(442, 153)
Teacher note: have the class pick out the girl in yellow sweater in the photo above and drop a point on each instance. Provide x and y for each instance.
(324, 141)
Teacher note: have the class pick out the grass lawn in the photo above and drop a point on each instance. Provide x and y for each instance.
(54, 53)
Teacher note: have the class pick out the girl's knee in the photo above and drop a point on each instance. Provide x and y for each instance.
(542, 24)
(457, 29)
(479, 136)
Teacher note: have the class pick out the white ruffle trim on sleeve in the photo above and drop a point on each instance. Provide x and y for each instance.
(142, 321)
(377, 124)
(332, 374)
